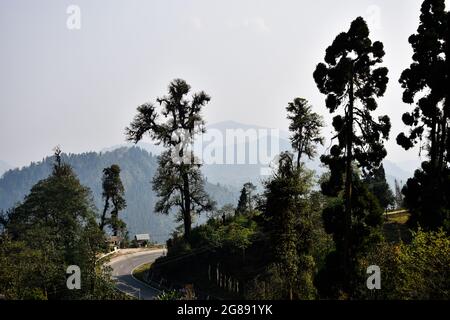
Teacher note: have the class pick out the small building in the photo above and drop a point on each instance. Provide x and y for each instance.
(114, 243)
(142, 239)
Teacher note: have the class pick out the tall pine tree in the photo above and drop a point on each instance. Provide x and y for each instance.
(426, 83)
(352, 80)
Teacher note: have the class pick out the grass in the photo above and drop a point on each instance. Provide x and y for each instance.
(141, 271)
(395, 228)
(400, 218)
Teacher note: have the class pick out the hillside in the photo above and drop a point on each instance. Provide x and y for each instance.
(138, 167)
(4, 167)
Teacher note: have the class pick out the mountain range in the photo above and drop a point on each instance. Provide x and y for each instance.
(137, 169)
(225, 174)
(4, 167)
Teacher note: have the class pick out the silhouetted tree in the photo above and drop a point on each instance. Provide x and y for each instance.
(183, 121)
(245, 202)
(52, 228)
(226, 212)
(427, 82)
(242, 202)
(113, 192)
(352, 80)
(305, 128)
(379, 187)
(169, 186)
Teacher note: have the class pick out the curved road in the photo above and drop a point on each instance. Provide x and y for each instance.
(123, 267)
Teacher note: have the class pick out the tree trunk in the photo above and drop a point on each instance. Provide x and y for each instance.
(103, 217)
(433, 153)
(299, 154)
(114, 220)
(348, 186)
(187, 219)
(443, 140)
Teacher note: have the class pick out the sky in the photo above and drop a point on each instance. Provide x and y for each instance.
(77, 82)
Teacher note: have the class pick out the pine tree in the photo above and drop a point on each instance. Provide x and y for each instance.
(352, 80)
(242, 202)
(305, 128)
(379, 187)
(426, 83)
(54, 227)
(246, 198)
(285, 214)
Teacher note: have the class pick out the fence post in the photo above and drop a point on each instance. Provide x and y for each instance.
(209, 272)
(217, 274)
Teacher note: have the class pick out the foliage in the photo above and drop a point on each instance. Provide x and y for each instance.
(364, 232)
(246, 198)
(114, 192)
(235, 235)
(350, 74)
(225, 213)
(419, 270)
(426, 83)
(169, 186)
(378, 186)
(137, 166)
(53, 228)
(429, 207)
(352, 80)
(289, 227)
(183, 121)
(305, 128)
(169, 295)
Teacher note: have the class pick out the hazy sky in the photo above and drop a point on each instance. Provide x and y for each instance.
(80, 88)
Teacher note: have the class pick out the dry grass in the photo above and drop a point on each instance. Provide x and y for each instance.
(395, 228)
(141, 271)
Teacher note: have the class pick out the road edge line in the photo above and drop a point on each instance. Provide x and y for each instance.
(144, 283)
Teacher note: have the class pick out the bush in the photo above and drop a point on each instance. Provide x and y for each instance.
(419, 270)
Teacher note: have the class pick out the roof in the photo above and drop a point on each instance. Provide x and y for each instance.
(142, 236)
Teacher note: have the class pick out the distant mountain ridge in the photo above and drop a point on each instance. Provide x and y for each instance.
(236, 174)
(139, 163)
(137, 169)
(4, 167)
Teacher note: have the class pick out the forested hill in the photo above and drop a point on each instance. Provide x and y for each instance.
(137, 169)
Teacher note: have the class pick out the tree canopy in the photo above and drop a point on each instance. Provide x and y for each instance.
(426, 84)
(178, 181)
(113, 193)
(305, 128)
(352, 80)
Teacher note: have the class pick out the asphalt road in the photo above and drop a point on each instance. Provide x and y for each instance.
(122, 271)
